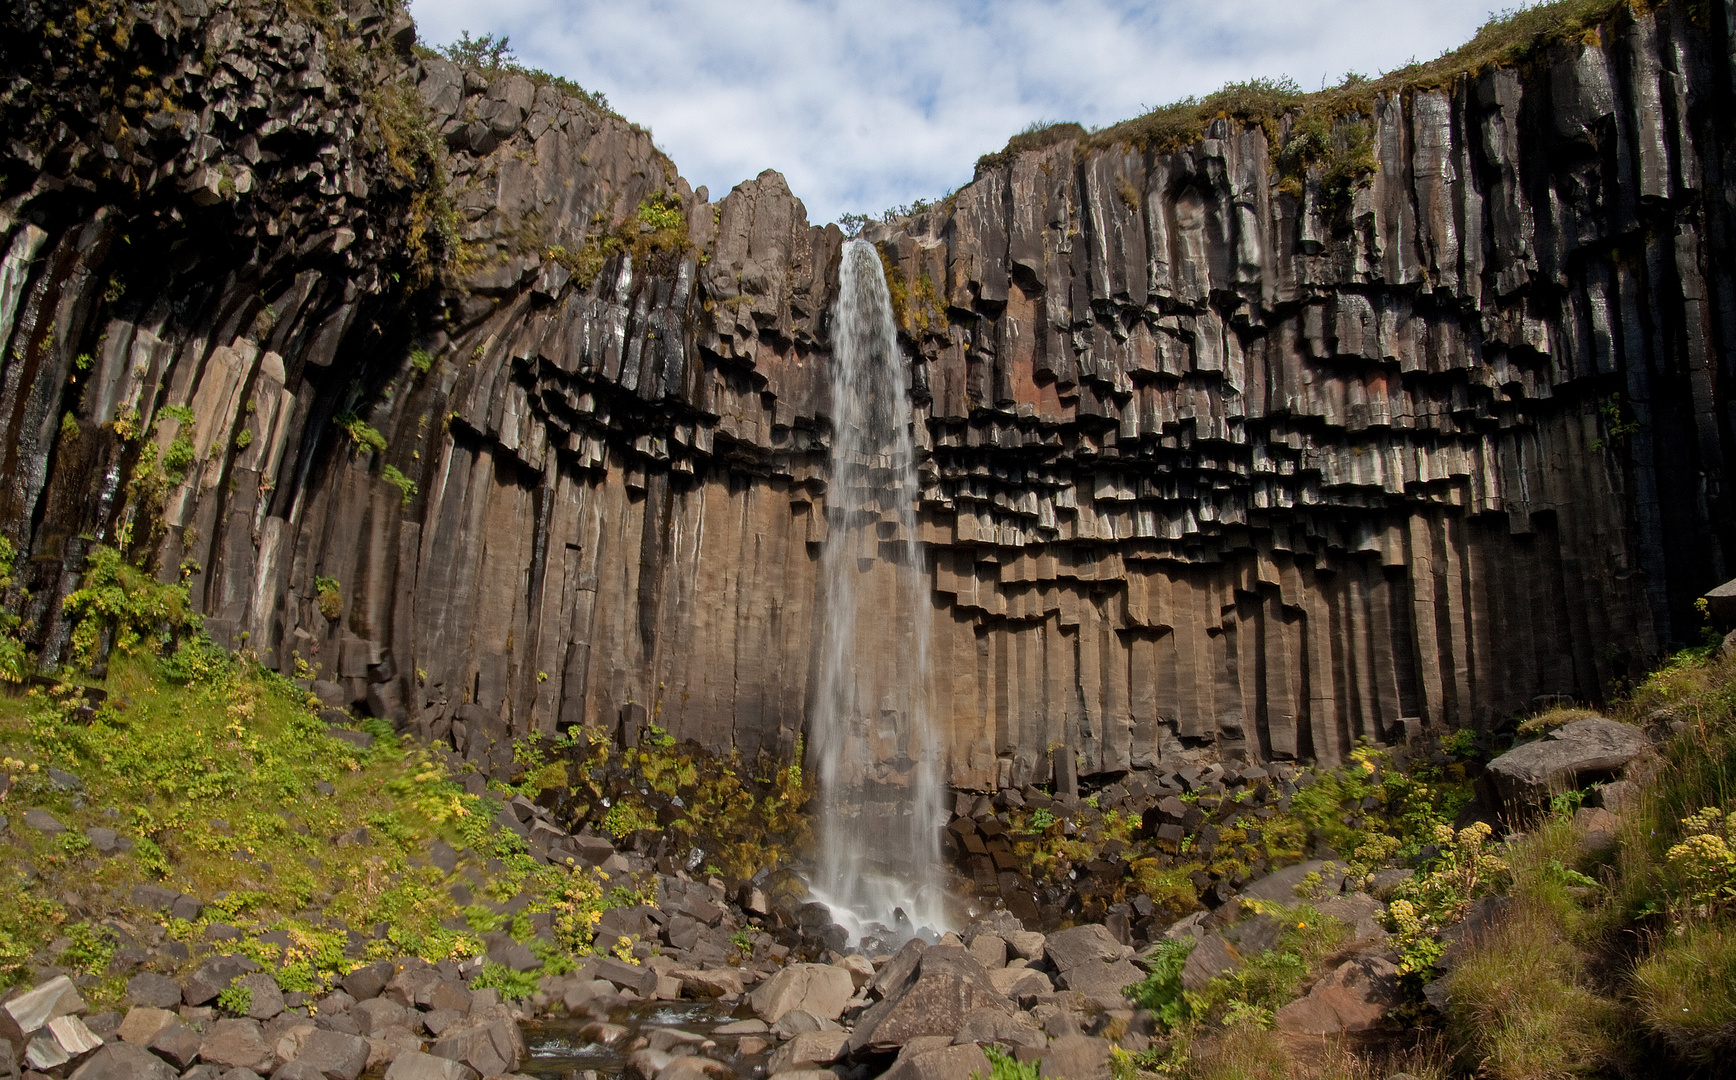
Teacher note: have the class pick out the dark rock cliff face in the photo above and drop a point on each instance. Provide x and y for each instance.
(1212, 462)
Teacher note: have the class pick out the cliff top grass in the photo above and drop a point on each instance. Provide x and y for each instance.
(492, 56)
(1511, 38)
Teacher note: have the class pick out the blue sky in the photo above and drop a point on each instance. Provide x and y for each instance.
(868, 105)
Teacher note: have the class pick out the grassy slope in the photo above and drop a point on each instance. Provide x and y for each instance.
(221, 786)
(1622, 960)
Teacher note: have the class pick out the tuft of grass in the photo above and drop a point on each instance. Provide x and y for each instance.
(1550, 719)
(1519, 1005)
(1038, 136)
(1684, 993)
(1246, 1050)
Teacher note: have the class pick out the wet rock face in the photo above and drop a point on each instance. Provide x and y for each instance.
(1209, 461)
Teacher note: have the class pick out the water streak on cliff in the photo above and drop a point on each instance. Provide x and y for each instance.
(873, 742)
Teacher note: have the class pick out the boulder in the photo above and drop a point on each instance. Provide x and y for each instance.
(961, 1062)
(694, 1068)
(1353, 997)
(1067, 949)
(1076, 1057)
(861, 969)
(1211, 957)
(948, 986)
(645, 1064)
(265, 999)
(71, 1035)
(806, 1051)
(31, 1011)
(449, 994)
(1025, 944)
(296, 1070)
(1020, 982)
(1359, 911)
(238, 1044)
(800, 1022)
(1525, 778)
(419, 1066)
(213, 977)
(368, 982)
(142, 1024)
(1721, 604)
(1281, 887)
(176, 1044)
(1102, 978)
(821, 990)
(287, 1046)
(123, 1061)
(490, 1048)
(635, 977)
(385, 1044)
(338, 1056)
(1601, 828)
(720, 982)
(1001, 1029)
(43, 822)
(153, 990)
(436, 1021)
(899, 970)
(378, 1013)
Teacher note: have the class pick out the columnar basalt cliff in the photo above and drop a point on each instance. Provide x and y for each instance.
(451, 387)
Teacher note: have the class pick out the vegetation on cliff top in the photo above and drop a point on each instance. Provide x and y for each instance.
(1513, 37)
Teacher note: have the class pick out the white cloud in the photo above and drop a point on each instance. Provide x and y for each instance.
(868, 105)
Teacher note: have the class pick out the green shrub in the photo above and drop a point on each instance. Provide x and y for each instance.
(1003, 1066)
(1161, 990)
(116, 594)
(625, 818)
(511, 984)
(177, 457)
(493, 56)
(236, 1000)
(14, 658)
(329, 595)
(360, 433)
(405, 485)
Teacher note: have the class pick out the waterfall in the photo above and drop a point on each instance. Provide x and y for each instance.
(873, 744)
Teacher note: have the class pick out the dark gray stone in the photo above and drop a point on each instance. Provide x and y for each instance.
(123, 1061)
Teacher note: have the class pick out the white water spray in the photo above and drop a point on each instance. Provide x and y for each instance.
(874, 747)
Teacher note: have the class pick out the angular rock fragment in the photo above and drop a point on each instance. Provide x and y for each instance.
(1352, 997)
(1525, 778)
(818, 989)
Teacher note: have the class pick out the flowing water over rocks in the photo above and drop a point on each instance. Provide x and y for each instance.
(873, 742)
